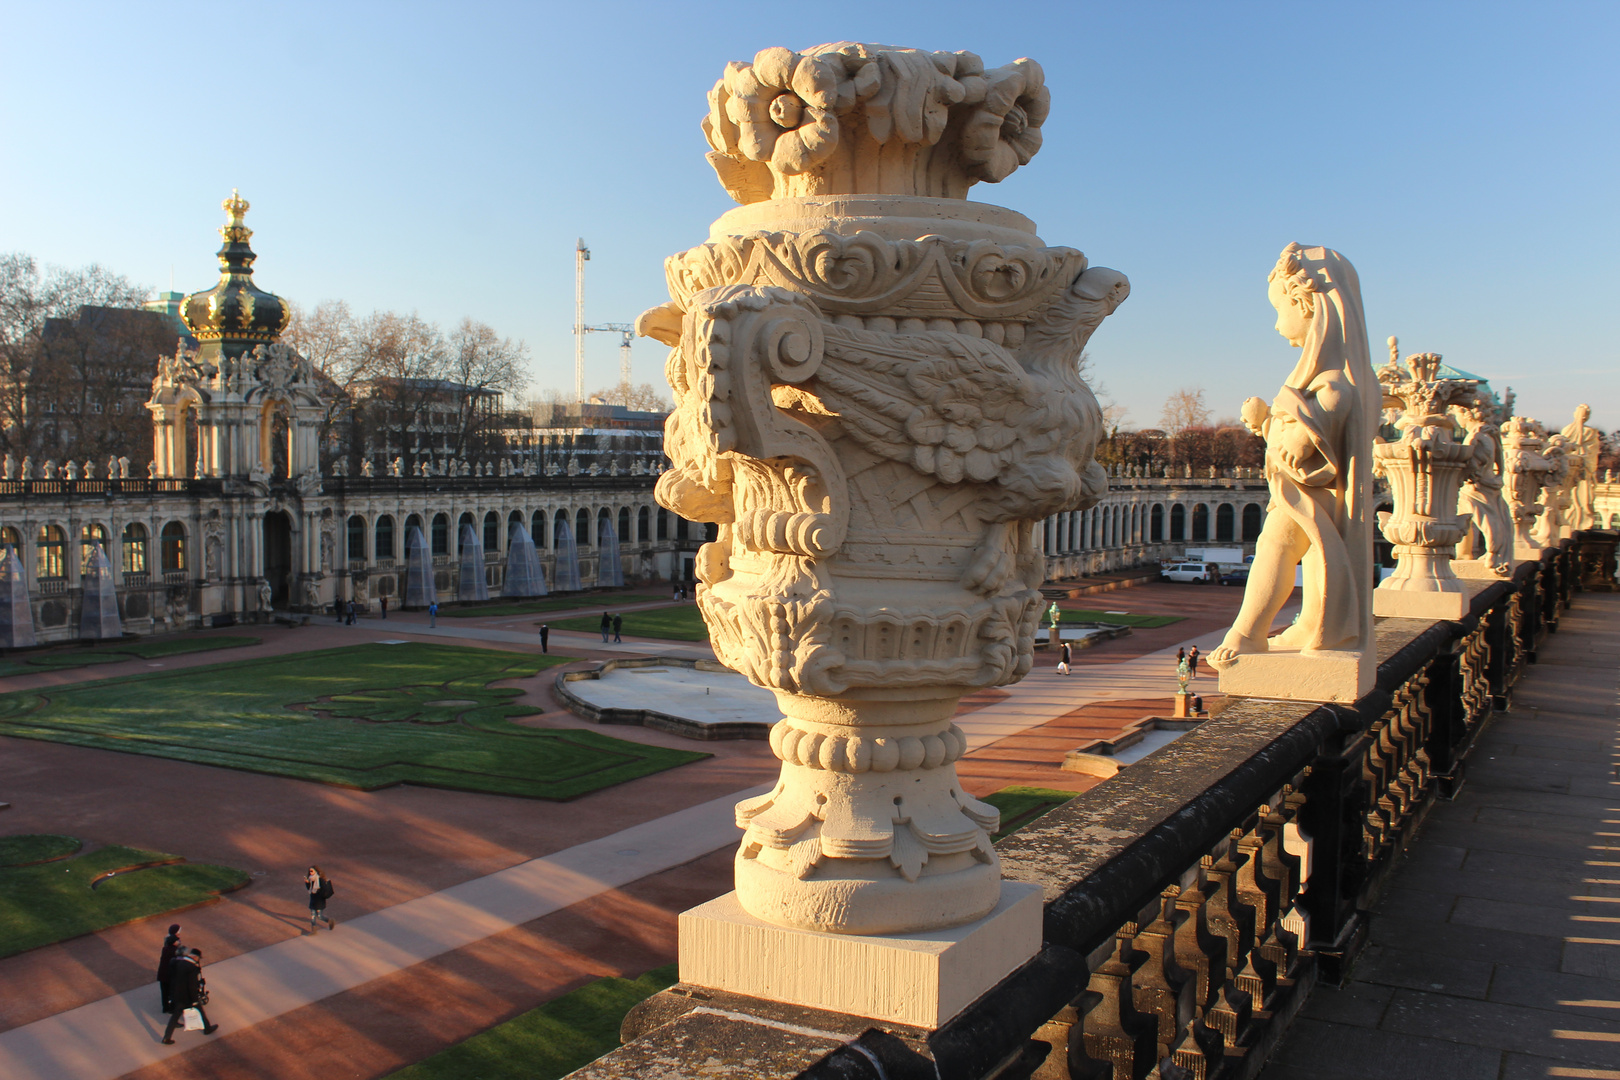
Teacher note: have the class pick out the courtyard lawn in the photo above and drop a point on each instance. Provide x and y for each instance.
(66, 897)
(151, 649)
(680, 623)
(364, 716)
(1143, 622)
(546, 1042)
(556, 603)
(1021, 805)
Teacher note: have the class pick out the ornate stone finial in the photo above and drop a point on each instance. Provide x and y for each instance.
(233, 230)
(871, 119)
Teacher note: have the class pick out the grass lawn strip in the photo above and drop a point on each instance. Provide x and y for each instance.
(547, 1042)
(1144, 622)
(53, 901)
(561, 603)
(365, 716)
(679, 623)
(1021, 805)
(39, 848)
(62, 659)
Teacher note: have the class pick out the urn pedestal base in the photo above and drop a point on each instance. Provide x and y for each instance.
(1474, 570)
(922, 979)
(1396, 604)
(1295, 676)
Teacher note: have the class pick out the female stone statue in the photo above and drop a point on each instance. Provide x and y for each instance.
(1319, 435)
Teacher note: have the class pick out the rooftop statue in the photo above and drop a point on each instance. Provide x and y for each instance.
(1583, 445)
(1319, 433)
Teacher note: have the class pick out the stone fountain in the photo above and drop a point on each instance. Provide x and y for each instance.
(877, 396)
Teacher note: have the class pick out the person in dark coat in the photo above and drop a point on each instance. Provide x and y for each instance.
(1063, 659)
(384, 601)
(1181, 654)
(607, 624)
(1192, 660)
(320, 891)
(185, 992)
(545, 638)
(171, 947)
(618, 624)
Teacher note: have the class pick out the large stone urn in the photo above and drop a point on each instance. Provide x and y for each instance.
(877, 396)
(1425, 469)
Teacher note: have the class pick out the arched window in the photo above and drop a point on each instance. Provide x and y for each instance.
(1224, 520)
(89, 537)
(462, 523)
(441, 534)
(1178, 522)
(538, 530)
(173, 542)
(663, 524)
(52, 552)
(681, 528)
(513, 521)
(624, 525)
(357, 537)
(492, 532)
(1156, 526)
(134, 545)
(383, 542)
(642, 520)
(412, 522)
(10, 538)
(1200, 522)
(557, 526)
(582, 528)
(1251, 522)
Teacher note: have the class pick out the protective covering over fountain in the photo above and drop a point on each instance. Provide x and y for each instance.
(419, 590)
(98, 619)
(609, 569)
(472, 585)
(565, 577)
(16, 616)
(523, 574)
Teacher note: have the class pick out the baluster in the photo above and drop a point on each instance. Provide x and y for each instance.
(1112, 1030)
(1260, 972)
(1226, 917)
(1161, 987)
(1216, 1022)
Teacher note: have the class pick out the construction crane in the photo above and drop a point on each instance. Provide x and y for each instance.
(626, 332)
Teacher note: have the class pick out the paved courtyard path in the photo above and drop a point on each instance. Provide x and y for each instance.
(1496, 953)
(113, 1036)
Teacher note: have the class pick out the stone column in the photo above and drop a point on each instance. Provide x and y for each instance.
(877, 400)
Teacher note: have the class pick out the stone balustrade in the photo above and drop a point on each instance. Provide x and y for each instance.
(1143, 521)
(1193, 900)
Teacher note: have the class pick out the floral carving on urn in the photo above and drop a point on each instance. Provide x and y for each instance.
(877, 396)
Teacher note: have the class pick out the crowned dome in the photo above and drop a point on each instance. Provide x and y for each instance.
(235, 315)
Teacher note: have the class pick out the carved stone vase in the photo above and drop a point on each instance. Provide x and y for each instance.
(1425, 469)
(1525, 470)
(877, 396)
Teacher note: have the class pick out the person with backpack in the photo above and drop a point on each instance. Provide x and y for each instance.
(171, 949)
(320, 891)
(187, 991)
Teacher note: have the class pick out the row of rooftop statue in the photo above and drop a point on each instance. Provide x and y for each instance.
(523, 577)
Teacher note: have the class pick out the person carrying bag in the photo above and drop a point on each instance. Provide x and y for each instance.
(188, 993)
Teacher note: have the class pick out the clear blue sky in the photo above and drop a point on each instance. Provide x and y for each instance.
(443, 158)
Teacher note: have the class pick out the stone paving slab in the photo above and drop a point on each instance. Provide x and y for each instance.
(1496, 952)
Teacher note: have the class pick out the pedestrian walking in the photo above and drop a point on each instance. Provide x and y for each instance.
(351, 614)
(618, 625)
(171, 948)
(384, 601)
(320, 891)
(1063, 659)
(607, 624)
(545, 638)
(187, 993)
(675, 592)
(1192, 660)
(433, 614)
(1181, 654)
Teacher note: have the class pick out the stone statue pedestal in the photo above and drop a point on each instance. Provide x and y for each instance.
(1474, 570)
(1451, 604)
(1183, 704)
(921, 978)
(1295, 676)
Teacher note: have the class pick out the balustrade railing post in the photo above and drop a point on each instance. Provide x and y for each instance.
(1330, 819)
(1448, 726)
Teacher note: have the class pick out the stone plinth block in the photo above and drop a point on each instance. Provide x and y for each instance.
(1292, 676)
(1394, 604)
(922, 979)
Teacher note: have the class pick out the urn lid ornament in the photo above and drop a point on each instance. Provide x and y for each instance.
(235, 313)
(851, 118)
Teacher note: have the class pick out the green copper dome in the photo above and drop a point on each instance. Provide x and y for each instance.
(235, 314)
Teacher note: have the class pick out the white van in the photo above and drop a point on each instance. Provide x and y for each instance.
(1196, 572)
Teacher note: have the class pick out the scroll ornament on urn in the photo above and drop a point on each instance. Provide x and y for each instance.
(877, 395)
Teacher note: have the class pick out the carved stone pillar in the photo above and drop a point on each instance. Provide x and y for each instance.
(877, 399)
(1425, 470)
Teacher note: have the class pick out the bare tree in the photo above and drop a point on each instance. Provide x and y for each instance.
(643, 397)
(1184, 409)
